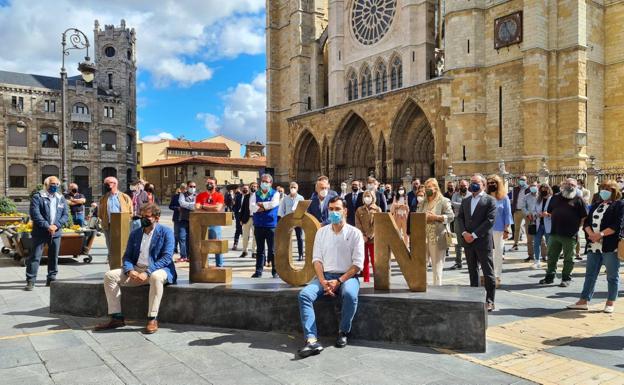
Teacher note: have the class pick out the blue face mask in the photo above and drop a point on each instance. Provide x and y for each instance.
(605, 194)
(522, 183)
(475, 187)
(533, 189)
(335, 217)
(53, 189)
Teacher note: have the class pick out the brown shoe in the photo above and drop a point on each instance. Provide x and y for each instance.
(111, 324)
(151, 327)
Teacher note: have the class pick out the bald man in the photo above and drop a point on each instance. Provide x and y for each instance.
(113, 201)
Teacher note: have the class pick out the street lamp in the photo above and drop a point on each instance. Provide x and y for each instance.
(77, 40)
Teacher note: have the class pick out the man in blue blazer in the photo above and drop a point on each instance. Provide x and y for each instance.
(148, 260)
(48, 211)
(354, 200)
(320, 199)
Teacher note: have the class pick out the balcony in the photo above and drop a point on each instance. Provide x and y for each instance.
(83, 118)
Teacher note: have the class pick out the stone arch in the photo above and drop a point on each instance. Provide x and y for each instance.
(413, 142)
(396, 71)
(381, 75)
(366, 81)
(353, 149)
(307, 161)
(352, 84)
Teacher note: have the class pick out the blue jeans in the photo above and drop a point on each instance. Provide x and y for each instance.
(537, 242)
(176, 236)
(214, 232)
(34, 259)
(183, 234)
(79, 219)
(299, 233)
(308, 295)
(264, 235)
(592, 269)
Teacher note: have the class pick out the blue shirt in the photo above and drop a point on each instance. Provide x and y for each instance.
(504, 217)
(113, 205)
(287, 205)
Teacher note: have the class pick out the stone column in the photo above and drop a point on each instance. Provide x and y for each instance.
(450, 176)
(502, 172)
(407, 179)
(544, 173)
(592, 176)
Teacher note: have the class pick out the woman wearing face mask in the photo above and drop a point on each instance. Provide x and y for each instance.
(400, 211)
(364, 221)
(543, 224)
(603, 226)
(439, 215)
(528, 211)
(502, 223)
(151, 195)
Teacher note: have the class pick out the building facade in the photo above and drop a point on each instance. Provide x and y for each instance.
(100, 136)
(359, 86)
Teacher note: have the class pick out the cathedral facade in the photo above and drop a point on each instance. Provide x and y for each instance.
(379, 86)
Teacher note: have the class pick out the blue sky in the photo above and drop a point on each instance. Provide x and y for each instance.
(201, 62)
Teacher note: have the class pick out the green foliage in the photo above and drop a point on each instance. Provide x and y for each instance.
(70, 220)
(7, 206)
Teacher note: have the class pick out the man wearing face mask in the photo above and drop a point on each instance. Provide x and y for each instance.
(353, 202)
(212, 200)
(528, 208)
(113, 201)
(76, 202)
(48, 211)
(475, 221)
(389, 196)
(338, 256)
(567, 211)
(148, 260)
(450, 190)
(186, 200)
(287, 206)
(456, 200)
(380, 199)
(517, 204)
(319, 200)
(139, 199)
(411, 196)
(247, 220)
(263, 206)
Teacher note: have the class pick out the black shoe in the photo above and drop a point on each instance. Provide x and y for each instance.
(256, 275)
(254, 255)
(565, 283)
(49, 280)
(300, 258)
(578, 258)
(235, 246)
(341, 341)
(310, 349)
(275, 275)
(30, 285)
(456, 266)
(528, 259)
(546, 281)
(514, 248)
(243, 255)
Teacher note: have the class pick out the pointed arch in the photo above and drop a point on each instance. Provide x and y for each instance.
(352, 85)
(353, 148)
(381, 76)
(307, 160)
(396, 71)
(366, 81)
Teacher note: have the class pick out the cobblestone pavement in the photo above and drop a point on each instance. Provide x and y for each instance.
(531, 339)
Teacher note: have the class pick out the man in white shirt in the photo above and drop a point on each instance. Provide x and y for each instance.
(337, 257)
(287, 206)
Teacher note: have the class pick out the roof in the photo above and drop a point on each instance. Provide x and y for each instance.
(37, 81)
(190, 145)
(215, 160)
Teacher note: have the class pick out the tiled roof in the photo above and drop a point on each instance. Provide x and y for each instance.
(190, 145)
(36, 81)
(216, 160)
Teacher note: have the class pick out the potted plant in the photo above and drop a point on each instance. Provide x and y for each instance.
(8, 212)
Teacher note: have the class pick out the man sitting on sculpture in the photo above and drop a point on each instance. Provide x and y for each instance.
(338, 256)
(148, 260)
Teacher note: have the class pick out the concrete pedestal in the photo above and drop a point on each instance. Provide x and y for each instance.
(452, 317)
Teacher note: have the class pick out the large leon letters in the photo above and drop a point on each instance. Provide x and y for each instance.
(199, 221)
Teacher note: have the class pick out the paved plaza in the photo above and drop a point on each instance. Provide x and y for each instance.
(531, 339)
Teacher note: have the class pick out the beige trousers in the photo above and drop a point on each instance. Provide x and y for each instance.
(402, 225)
(248, 230)
(436, 256)
(114, 279)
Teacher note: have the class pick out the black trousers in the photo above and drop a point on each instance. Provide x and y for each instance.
(239, 226)
(264, 235)
(476, 257)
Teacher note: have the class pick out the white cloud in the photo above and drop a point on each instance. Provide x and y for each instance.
(244, 114)
(172, 37)
(157, 137)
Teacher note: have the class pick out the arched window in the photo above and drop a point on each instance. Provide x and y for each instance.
(109, 141)
(396, 74)
(367, 85)
(381, 78)
(17, 176)
(18, 135)
(353, 86)
(49, 137)
(81, 108)
(80, 139)
(49, 170)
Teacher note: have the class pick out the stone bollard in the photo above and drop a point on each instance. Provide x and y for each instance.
(199, 221)
(592, 176)
(119, 233)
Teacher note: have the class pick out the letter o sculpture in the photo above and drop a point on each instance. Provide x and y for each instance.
(283, 245)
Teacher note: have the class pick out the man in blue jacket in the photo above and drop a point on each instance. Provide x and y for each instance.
(148, 260)
(320, 199)
(263, 205)
(48, 211)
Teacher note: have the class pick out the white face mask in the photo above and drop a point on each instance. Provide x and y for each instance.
(368, 200)
(401, 192)
(323, 193)
(420, 199)
(191, 190)
(370, 187)
(343, 187)
(293, 191)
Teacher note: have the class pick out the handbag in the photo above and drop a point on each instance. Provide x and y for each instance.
(451, 238)
(620, 250)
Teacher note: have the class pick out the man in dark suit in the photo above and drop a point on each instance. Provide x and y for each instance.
(372, 185)
(475, 220)
(412, 202)
(238, 201)
(48, 210)
(246, 220)
(148, 260)
(354, 201)
(320, 199)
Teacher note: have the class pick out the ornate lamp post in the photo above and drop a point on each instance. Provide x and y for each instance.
(77, 40)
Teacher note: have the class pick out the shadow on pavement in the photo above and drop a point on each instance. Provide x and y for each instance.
(598, 343)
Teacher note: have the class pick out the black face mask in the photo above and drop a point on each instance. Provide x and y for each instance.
(492, 188)
(209, 187)
(463, 190)
(74, 191)
(355, 189)
(253, 189)
(145, 222)
(107, 188)
(544, 193)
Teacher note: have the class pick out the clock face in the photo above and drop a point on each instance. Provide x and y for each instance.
(371, 19)
(508, 30)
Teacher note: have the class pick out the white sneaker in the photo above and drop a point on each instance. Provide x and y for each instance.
(575, 306)
(537, 265)
(609, 309)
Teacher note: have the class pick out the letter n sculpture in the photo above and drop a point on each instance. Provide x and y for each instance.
(200, 247)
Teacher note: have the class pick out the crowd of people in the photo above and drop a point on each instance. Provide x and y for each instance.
(472, 218)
